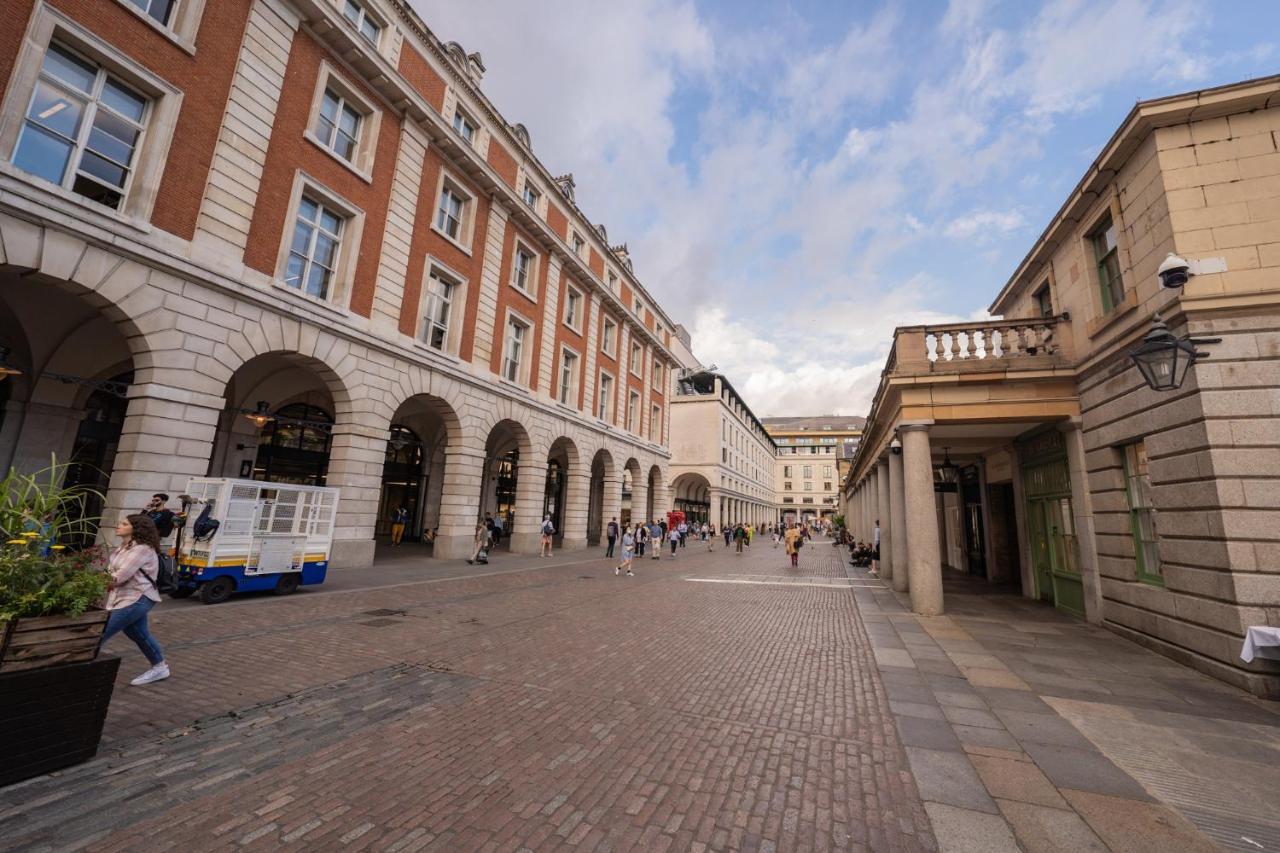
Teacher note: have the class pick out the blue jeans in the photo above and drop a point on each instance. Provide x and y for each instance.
(133, 621)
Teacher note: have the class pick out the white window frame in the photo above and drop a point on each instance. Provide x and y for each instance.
(366, 13)
(531, 195)
(605, 398)
(348, 249)
(655, 422)
(519, 247)
(522, 364)
(461, 115)
(634, 359)
(361, 162)
(577, 300)
(570, 359)
(151, 153)
(579, 244)
(182, 26)
(633, 411)
(609, 343)
(657, 373)
(434, 268)
(614, 282)
(466, 227)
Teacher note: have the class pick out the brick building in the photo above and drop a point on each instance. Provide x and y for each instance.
(807, 466)
(1047, 462)
(293, 240)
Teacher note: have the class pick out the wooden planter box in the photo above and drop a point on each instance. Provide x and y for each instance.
(52, 717)
(32, 643)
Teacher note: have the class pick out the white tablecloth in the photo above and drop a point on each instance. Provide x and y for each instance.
(1261, 641)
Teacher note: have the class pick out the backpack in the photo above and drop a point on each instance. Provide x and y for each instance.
(548, 528)
(205, 525)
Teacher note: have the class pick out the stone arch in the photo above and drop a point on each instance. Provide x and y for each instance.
(659, 502)
(691, 494)
(424, 430)
(634, 492)
(604, 495)
(564, 496)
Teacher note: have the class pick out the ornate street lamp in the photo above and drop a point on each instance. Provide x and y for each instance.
(261, 416)
(1164, 359)
(948, 471)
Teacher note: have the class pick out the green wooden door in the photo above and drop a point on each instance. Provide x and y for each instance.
(1051, 528)
(1041, 562)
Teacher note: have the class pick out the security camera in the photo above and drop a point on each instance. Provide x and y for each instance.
(1174, 271)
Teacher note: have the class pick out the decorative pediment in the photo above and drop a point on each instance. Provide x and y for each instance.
(521, 133)
(469, 64)
(604, 235)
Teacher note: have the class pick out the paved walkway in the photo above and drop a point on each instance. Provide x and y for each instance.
(715, 702)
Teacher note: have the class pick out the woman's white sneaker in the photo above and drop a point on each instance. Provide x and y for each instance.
(156, 673)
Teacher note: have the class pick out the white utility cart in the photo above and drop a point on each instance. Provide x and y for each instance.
(269, 536)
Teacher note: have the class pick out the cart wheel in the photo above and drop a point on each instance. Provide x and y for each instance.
(181, 592)
(217, 590)
(287, 584)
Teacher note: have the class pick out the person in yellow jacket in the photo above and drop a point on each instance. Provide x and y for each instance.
(794, 540)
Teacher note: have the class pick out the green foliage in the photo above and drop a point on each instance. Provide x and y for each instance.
(837, 521)
(39, 574)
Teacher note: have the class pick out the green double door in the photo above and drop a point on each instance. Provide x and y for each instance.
(1051, 528)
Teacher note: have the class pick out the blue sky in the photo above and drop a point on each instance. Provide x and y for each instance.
(795, 179)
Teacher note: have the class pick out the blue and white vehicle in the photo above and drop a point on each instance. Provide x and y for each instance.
(270, 536)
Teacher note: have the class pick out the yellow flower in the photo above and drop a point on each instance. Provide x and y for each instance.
(16, 542)
(31, 534)
(58, 547)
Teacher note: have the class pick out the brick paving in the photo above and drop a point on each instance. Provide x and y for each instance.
(549, 707)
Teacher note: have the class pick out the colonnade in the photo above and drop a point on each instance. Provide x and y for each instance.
(727, 508)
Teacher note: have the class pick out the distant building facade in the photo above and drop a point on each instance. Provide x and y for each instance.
(806, 468)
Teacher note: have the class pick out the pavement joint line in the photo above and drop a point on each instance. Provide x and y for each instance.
(796, 583)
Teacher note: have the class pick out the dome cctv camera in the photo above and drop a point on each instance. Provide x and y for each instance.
(1174, 271)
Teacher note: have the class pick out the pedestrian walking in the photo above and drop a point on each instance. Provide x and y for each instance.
(641, 535)
(875, 551)
(399, 518)
(684, 532)
(611, 533)
(739, 537)
(728, 534)
(677, 541)
(628, 552)
(795, 540)
(548, 530)
(480, 551)
(132, 592)
(657, 535)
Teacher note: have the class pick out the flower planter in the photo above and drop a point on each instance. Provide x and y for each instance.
(52, 717)
(36, 642)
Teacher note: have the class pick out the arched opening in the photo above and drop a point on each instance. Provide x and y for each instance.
(508, 442)
(631, 512)
(691, 494)
(278, 423)
(561, 459)
(70, 399)
(601, 476)
(413, 467)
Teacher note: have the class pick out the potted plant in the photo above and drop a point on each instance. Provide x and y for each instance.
(54, 690)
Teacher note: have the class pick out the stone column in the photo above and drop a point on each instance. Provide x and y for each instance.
(886, 519)
(924, 566)
(1082, 510)
(577, 497)
(713, 511)
(661, 496)
(167, 438)
(984, 496)
(611, 508)
(357, 453)
(898, 522)
(1020, 521)
(464, 471)
(531, 487)
(639, 499)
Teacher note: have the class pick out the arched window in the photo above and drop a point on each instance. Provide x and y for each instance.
(294, 448)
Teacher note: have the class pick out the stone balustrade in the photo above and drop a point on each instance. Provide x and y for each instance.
(979, 344)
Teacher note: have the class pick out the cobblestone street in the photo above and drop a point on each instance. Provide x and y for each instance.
(713, 702)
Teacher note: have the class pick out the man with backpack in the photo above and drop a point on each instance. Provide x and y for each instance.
(611, 533)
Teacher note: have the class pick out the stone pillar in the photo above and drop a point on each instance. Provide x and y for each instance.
(898, 522)
(464, 471)
(886, 519)
(924, 566)
(661, 496)
(639, 499)
(531, 487)
(357, 453)
(1082, 510)
(577, 497)
(985, 497)
(167, 438)
(713, 511)
(1020, 521)
(611, 509)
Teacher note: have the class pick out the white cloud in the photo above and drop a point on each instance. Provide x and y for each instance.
(985, 223)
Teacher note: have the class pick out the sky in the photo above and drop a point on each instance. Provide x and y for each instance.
(795, 179)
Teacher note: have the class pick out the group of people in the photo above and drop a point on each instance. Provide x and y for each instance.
(866, 555)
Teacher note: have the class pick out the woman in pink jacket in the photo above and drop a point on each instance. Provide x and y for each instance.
(132, 592)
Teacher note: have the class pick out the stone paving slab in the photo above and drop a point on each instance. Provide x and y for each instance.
(1083, 740)
(552, 708)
